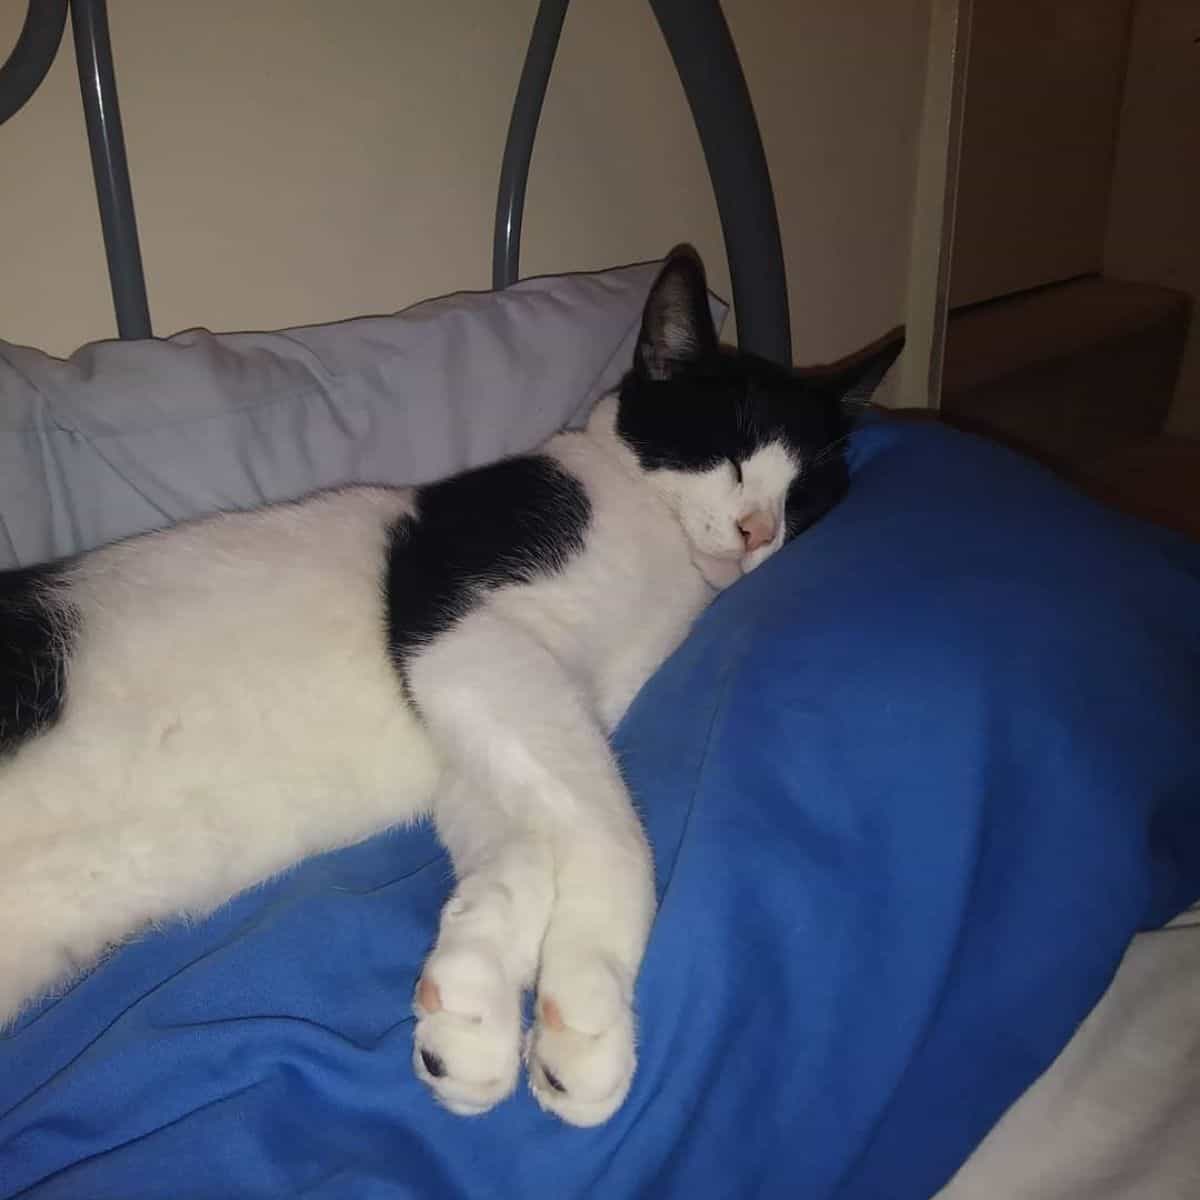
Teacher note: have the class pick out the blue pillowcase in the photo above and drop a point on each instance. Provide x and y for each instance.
(912, 787)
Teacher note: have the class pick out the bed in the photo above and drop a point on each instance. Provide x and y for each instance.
(923, 792)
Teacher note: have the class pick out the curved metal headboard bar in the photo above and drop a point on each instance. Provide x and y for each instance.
(711, 73)
(518, 146)
(98, 88)
(37, 44)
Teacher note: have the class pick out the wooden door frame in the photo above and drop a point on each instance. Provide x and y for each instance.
(934, 193)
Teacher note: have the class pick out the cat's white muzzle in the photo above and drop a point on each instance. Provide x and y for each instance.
(727, 567)
(718, 572)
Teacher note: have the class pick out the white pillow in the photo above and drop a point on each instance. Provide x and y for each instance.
(128, 436)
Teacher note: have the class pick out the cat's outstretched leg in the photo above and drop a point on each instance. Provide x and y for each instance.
(467, 1041)
(581, 1049)
(551, 858)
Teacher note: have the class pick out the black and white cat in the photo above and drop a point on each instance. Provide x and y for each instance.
(186, 713)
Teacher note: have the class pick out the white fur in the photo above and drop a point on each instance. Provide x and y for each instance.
(231, 709)
(710, 504)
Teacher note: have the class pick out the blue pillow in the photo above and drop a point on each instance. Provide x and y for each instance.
(912, 787)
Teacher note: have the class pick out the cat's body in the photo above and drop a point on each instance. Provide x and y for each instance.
(187, 713)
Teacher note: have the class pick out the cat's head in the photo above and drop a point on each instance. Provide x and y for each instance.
(745, 452)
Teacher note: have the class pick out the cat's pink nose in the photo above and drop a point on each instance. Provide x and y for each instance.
(758, 529)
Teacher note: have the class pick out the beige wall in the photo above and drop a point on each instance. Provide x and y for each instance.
(1039, 125)
(1154, 219)
(306, 160)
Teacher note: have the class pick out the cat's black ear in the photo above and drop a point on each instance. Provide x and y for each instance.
(677, 325)
(858, 377)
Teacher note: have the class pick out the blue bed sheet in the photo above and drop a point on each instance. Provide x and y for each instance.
(912, 787)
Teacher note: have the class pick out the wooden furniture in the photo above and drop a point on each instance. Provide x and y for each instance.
(1081, 375)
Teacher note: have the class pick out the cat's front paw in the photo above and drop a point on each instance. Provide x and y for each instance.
(467, 1040)
(580, 1051)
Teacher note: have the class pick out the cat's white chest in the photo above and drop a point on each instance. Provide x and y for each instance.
(623, 603)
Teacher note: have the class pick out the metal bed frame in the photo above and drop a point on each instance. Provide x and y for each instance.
(705, 58)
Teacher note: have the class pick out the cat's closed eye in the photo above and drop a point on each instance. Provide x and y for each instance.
(737, 470)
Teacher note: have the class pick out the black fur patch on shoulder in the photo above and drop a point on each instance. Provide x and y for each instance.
(506, 523)
(35, 642)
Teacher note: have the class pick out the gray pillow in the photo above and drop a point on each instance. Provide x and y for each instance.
(128, 436)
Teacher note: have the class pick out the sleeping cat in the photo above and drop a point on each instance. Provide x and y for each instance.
(186, 713)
